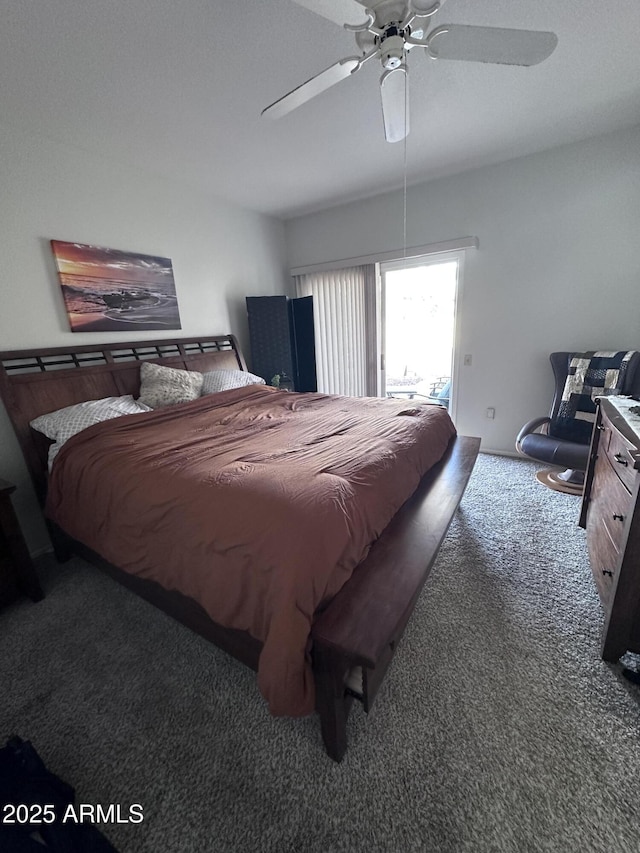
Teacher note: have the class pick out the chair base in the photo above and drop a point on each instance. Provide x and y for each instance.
(562, 481)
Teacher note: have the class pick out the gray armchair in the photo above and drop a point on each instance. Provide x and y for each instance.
(561, 439)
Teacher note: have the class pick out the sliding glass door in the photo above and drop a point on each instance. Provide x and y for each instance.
(417, 327)
(389, 329)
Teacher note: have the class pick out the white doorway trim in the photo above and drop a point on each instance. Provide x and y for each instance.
(424, 261)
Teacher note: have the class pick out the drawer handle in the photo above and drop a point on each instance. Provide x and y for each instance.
(620, 460)
(618, 517)
(607, 572)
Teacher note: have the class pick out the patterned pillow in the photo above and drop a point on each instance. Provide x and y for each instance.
(62, 424)
(165, 386)
(224, 380)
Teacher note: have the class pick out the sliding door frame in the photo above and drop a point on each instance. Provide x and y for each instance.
(410, 263)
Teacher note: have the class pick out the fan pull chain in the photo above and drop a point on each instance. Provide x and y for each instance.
(404, 182)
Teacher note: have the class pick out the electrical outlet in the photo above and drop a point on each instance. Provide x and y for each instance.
(491, 413)
(467, 360)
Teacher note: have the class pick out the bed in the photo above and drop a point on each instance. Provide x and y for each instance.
(334, 640)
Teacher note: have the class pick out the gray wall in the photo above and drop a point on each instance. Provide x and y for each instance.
(220, 254)
(558, 265)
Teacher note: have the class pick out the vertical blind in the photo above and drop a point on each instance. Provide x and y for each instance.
(344, 319)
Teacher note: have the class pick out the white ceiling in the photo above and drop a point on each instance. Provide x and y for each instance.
(177, 87)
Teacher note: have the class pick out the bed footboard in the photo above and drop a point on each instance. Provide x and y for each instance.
(361, 627)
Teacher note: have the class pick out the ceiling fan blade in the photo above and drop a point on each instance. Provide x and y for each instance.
(340, 12)
(395, 103)
(315, 86)
(490, 44)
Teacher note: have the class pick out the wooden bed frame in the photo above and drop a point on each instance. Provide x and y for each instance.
(356, 635)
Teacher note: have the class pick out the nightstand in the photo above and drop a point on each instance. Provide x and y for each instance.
(17, 573)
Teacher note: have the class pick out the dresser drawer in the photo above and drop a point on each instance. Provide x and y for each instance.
(604, 557)
(621, 453)
(611, 501)
(610, 504)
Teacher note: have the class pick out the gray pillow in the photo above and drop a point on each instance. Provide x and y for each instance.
(165, 386)
(224, 380)
(62, 424)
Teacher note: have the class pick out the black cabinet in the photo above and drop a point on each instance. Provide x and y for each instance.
(282, 339)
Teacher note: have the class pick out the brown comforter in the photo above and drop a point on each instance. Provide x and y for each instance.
(257, 503)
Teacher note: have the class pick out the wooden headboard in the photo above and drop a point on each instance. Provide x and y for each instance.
(33, 382)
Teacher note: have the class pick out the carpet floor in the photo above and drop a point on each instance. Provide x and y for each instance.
(498, 729)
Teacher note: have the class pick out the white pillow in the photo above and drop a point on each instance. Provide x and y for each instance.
(62, 424)
(165, 386)
(224, 380)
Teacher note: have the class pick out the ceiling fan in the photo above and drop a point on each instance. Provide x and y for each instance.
(388, 30)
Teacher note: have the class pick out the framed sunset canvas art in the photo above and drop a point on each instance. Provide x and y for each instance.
(109, 290)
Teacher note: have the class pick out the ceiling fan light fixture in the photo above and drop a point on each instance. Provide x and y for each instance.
(392, 52)
(395, 109)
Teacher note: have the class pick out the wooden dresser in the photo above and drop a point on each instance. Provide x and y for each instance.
(611, 515)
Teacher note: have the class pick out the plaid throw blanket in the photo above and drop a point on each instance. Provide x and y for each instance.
(591, 374)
